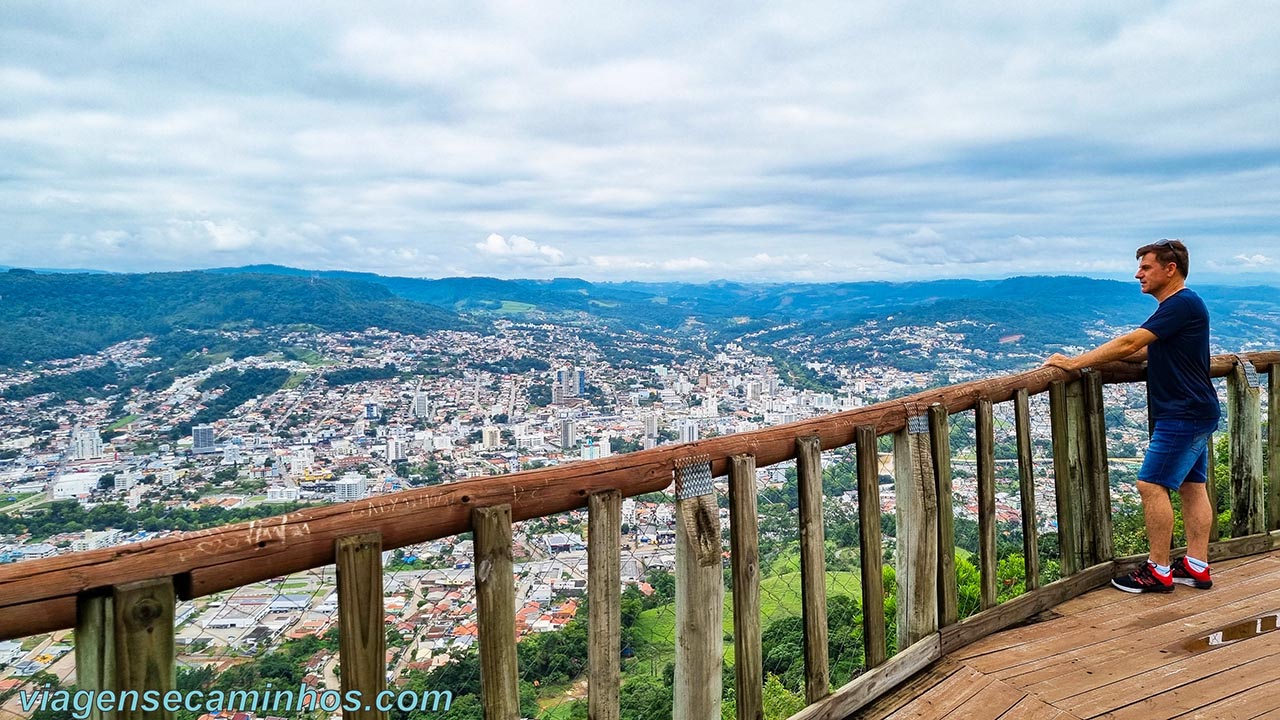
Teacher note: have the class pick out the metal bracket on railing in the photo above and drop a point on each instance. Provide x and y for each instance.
(917, 424)
(1250, 372)
(696, 503)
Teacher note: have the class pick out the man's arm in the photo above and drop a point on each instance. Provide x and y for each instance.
(1131, 346)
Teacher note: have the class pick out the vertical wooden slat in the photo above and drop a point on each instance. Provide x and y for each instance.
(744, 548)
(871, 548)
(917, 555)
(604, 588)
(95, 648)
(940, 443)
(362, 635)
(813, 569)
(1273, 447)
(1211, 486)
(1097, 475)
(143, 628)
(1027, 488)
(1244, 425)
(699, 618)
(984, 433)
(496, 612)
(1068, 474)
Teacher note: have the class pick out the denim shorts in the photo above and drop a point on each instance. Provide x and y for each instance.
(1179, 452)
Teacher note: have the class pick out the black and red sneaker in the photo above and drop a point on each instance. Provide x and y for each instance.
(1144, 579)
(1184, 574)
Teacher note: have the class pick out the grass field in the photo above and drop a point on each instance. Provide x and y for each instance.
(779, 598)
(17, 498)
(294, 380)
(511, 307)
(121, 423)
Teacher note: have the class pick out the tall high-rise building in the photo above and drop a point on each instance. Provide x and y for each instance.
(572, 381)
(421, 407)
(568, 433)
(396, 448)
(202, 439)
(651, 425)
(371, 411)
(86, 444)
(490, 437)
(579, 382)
(688, 431)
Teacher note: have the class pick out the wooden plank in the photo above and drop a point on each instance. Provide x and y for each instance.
(940, 445)
(1027, 489)
(1024, 606)
(216, 559)
(865, 688)
(944, 697)
(870, 547)
(1244, 425)
(496, 613)
(813, 569)
(604, 588)
(918, 684)
(990, 703)
(1029, 708)
(1068, 474)
(917, 549)
(984, 433)
(1273, 449)
(1181, 686)
(95, 649)
(699, 616)
(362, 632)
(143, 628)
(744, 549)
(1256, 703)
(1097, 476)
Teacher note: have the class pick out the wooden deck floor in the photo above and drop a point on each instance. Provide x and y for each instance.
(1117, 655)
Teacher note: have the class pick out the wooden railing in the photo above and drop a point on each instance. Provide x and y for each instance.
(121, 600)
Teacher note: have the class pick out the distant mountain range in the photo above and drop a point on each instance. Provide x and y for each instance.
(44, 316)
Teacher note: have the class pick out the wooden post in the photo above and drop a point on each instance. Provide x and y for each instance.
(1068, 470)
(1273, 447)
(143, 622)
(940, 444)
(1097, 474)
(984, 430)
(871, 547)
(917, 556)
(1027, 488)
(744, 549)
(496, 612)
(813, 569)
(95, 648)
(699, 597)
(604, 589)
(1244, 424)
(362, 632)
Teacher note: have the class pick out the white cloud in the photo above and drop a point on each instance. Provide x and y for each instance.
(519, 247)
(1256, 260)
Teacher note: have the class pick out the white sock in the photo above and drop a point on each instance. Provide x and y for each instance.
(1161, 570)
(1197, 565)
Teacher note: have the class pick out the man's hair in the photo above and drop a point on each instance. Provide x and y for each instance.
(1168, 251)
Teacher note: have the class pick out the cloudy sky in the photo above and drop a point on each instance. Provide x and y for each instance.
(641, 140)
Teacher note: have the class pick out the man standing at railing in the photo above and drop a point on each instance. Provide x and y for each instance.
(1175, 343)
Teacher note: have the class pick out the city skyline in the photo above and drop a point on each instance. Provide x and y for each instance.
(815, 143)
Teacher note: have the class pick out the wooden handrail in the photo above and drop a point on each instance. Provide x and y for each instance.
(40, 596)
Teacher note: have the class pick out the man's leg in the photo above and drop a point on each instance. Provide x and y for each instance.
(1158, 512)
(1197, 518)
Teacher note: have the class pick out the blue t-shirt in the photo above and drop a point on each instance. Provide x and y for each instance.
(1178, 361)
